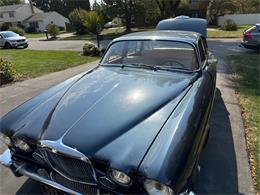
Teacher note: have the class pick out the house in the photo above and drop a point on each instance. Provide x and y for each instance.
(39, 21)
(31, 17)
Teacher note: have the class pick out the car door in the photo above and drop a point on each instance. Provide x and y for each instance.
(1, 41)
(206, 90)
(256, 35)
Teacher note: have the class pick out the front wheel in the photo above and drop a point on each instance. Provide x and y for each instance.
(7, 45)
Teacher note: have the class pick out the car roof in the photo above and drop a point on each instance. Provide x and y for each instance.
(184, 23)
(170, 35)
(5, 31)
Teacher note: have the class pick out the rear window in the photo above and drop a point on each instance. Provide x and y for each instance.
(156, 53)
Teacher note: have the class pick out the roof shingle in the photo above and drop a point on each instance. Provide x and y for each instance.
(10, 8)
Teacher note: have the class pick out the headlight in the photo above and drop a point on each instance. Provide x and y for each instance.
(5, 139)
(22, 145)
(156, 188)
(120, 177)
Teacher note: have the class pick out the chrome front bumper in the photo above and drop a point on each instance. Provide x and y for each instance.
(38, 174)
(32, 172)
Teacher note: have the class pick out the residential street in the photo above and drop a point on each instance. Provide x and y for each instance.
(74, 45)
(224, 162)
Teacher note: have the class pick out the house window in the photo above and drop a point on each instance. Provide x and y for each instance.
(11, 14)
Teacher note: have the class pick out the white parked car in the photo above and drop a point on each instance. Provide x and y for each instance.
(9, 39)
(110, 25)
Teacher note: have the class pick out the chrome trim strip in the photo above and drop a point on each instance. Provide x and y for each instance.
(59, 147)
(31, 172)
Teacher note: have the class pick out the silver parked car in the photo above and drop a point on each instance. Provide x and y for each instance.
(251, 37)
(9, 39)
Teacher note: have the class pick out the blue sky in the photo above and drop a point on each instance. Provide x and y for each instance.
(92, 1)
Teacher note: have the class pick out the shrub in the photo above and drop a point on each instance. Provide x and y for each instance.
(229, 25)
(77, 20)
(93, 22)
(30, 30)
(117, 21)
(90, 49)
(20, 25)
(7, 72)
(53, 30)
(4, 26)
(17, 30)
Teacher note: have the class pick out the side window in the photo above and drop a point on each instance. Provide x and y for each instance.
(202, 51)
(11, 14)
(131, 50)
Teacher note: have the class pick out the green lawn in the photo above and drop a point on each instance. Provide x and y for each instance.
(112, 33)
(39, 34)
(34, 35)
(246, 70)
(32, 63)
(218, 33)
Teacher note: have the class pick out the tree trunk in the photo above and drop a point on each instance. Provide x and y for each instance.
(128, 14)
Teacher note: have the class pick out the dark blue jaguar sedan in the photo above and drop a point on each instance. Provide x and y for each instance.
(134, 124)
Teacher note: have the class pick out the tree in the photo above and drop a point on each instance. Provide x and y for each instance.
(218, 8)
(78, 4)
(168, 7)
(246, 7)
(122, 8)
(10, 2)
(64, 7)
(93, 22)
(77, 20)
(53, 30)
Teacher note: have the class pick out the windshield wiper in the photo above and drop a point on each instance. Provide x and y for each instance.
(139, 65)
(174, 69)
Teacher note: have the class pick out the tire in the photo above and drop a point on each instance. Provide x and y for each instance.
(7, 45)
(25, 46)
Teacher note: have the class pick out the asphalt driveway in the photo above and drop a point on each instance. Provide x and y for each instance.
(224, 162)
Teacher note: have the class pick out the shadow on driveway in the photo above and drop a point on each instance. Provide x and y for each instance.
(218, 164)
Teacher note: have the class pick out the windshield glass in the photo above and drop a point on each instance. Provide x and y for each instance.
(157, 53)
(9, 34)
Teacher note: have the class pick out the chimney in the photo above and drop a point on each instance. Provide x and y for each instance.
(31, 6)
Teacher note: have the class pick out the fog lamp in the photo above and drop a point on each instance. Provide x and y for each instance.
(120, 177)
(22, 145)
(5, 139)
(156, 188)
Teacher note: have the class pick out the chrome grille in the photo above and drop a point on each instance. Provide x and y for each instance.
(73, 169)
(21, 40)
(78, 187)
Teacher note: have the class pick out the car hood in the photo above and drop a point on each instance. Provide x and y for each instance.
(15, 38)
(112, 114)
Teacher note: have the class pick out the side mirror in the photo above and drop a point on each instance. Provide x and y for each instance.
(212, 59)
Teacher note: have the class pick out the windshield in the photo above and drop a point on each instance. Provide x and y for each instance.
(9, 34)
(170, 54)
